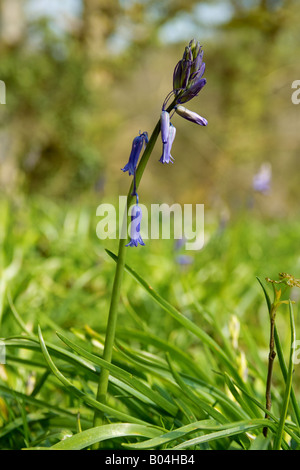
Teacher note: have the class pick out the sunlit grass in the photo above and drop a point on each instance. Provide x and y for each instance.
(190, 361)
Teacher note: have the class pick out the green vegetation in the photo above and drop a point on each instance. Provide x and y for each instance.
(190, 362)
(191, 358)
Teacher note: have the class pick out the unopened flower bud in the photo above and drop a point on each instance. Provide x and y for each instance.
(191, 115)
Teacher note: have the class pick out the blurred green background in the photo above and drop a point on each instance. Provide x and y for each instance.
(83, 77)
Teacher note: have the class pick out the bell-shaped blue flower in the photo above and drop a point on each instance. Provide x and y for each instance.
(135, 227)
(137, 145)
(166, 156)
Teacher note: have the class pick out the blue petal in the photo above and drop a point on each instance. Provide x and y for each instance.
(165, 124)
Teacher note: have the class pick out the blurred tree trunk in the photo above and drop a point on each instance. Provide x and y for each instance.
(12, 21)
(99, 20)
(12, 32)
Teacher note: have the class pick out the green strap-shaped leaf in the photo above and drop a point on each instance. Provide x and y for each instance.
(287, 428)
(86, 398)
(176, 434)
(288, 385)
(188, 324)
(102, 433)
(213, 430)
(215, 414)
(121, 374)
(18, 422)
(227, 431)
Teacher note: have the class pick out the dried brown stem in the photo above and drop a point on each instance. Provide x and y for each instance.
(272, 355)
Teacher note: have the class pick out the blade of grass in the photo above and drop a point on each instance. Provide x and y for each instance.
(247, 409)
(188, 324)
(260, 443)
(211, 411)
(181, 356)
(271, 416)
(19, 422)
(189, 381)
(123, 375)
(174, 435)
(34, 401)
(288, 385)
(228, 430)
(214, 431)
(17, 317)
(86, 367)
(105, 432)
(78, 393)
(198, 402)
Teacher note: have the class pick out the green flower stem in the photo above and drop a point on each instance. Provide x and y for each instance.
(99, 418)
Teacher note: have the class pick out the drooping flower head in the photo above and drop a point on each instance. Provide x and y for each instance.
(135, 227)
(137, 145)
(166, 155)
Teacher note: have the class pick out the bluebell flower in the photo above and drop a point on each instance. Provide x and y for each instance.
(137, 145)
(167, 146)
(184, 260)
(135, 227)
(179, 243)
(190, 115)
(262, 179)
